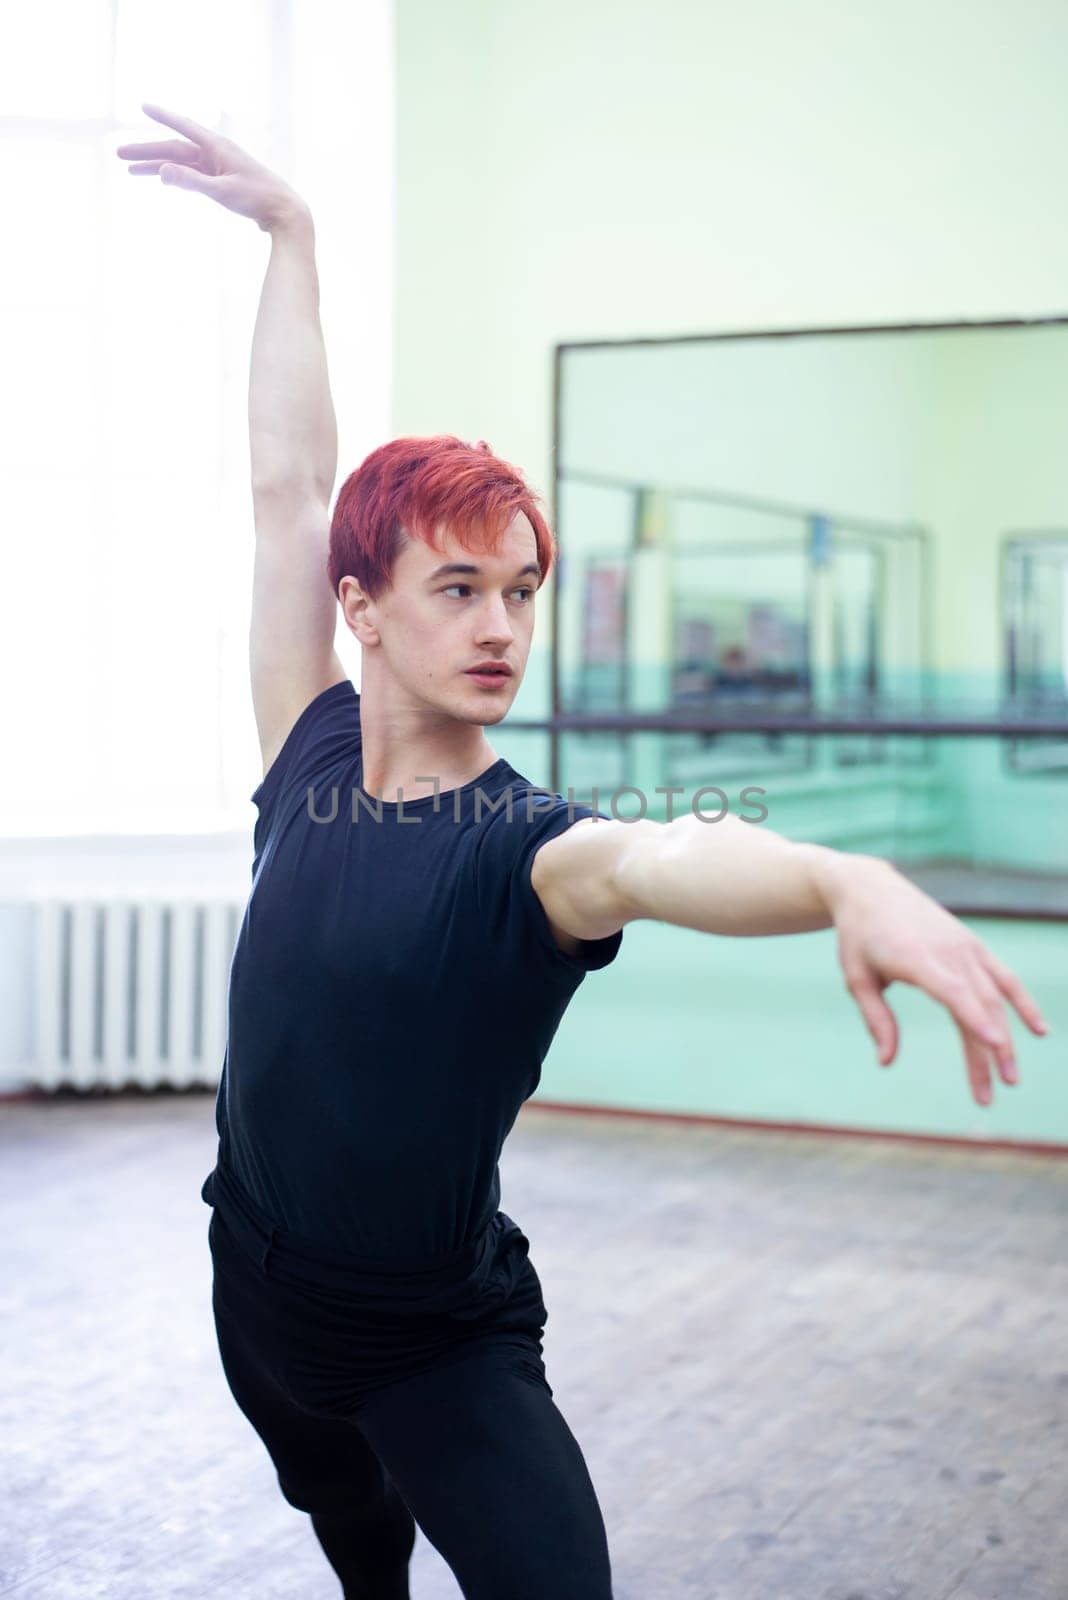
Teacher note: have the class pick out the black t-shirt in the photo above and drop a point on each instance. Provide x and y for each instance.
(394, 989)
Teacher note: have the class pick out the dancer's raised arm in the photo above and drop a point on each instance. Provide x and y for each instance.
(292, 427)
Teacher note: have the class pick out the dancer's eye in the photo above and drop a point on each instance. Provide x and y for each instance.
(527, 590)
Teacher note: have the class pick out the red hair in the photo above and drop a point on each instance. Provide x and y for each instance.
(412, 486)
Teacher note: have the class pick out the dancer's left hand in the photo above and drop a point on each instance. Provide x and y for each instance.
(890, 931)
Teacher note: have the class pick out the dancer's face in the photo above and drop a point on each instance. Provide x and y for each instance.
(434, 624)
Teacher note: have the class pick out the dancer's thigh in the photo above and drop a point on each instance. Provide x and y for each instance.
(494, 1477)
(323, 1463)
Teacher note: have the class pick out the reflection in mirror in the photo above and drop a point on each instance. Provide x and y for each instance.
(1036, 641)
(870, 525)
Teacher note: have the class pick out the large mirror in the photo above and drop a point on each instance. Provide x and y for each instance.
(869, 524)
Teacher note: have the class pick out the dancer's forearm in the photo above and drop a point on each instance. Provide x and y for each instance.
(737, 878)
(292, 427)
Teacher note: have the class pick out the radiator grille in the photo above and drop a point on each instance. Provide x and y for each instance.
(131, 991)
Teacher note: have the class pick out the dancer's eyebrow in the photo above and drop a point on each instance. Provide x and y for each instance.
(530, 570)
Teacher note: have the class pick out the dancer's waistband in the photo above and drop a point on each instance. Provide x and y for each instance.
(444, 1284)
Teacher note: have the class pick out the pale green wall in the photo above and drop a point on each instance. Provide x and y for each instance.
(764, 1029)
(614, 169)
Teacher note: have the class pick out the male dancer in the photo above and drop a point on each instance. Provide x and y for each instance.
(410, 944)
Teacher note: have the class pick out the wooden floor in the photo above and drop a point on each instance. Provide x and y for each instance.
(799, 1366)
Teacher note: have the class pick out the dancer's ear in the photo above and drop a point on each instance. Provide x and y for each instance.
(360, 612)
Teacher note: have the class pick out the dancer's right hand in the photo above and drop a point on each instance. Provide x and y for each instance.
(217, 167)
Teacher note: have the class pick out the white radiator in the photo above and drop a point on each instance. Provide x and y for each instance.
(131, 991)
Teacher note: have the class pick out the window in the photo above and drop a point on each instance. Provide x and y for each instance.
(126, 315)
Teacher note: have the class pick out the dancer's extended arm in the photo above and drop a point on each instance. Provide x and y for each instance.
(292, 428)
(741, 878)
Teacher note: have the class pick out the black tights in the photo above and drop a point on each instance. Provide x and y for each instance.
(474, 1449)
(369, 1547)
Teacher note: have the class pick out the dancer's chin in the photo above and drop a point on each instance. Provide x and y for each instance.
(487, 706)
(478, 711)
(485, 716)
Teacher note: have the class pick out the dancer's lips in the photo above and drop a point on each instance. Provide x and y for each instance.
(492, 674)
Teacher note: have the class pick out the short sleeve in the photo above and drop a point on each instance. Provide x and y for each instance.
(326, 731)
(504, 855)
